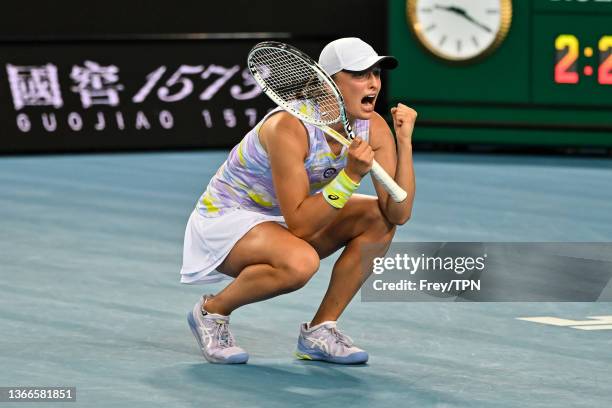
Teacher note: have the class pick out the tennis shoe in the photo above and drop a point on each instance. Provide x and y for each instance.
(214, 337)
(324, 342)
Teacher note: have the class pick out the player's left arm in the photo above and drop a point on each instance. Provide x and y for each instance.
(395, 159)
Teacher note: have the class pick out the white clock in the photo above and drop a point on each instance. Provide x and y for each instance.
(460, 30)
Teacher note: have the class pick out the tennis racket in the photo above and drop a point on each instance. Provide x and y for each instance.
(300, 86)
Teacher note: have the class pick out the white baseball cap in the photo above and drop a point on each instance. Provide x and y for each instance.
(352, 54)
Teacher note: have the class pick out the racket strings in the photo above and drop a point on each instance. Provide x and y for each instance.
(296, 84)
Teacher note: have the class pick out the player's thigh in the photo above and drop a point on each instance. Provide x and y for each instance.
(360, 216)
(272, 244)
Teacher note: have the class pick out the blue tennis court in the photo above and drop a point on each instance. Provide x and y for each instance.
(90, 295)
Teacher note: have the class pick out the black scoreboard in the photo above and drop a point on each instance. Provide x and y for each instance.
(116, 75)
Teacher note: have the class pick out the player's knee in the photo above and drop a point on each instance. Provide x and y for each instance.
(376, 221)
(298, 267)
(372, 213)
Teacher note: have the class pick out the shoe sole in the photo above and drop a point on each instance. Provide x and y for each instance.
(356, 358)
(236, 359)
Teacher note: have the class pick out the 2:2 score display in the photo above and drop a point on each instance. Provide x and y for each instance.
(567, 53)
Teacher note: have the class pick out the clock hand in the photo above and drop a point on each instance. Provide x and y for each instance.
(461, 12)
(479, 24)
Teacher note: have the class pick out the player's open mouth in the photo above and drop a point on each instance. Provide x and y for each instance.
(368, 101)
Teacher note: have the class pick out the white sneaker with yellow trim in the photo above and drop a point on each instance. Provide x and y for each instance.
(324, 342)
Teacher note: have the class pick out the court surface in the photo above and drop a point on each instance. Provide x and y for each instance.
(90, 295)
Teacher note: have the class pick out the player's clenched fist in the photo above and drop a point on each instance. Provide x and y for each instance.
(360, 157)
(403, 121)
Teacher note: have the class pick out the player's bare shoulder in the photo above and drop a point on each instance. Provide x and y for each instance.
(283, 130)
(380, 132)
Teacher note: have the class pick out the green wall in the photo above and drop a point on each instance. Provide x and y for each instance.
(509, 97)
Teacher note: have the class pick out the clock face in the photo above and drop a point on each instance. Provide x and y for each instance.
(460, 30)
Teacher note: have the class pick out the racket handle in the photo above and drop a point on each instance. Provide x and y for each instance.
(395, 191)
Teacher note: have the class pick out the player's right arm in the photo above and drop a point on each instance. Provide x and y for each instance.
(286, 140)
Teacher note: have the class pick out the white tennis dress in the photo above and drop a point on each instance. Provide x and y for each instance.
(241, 195)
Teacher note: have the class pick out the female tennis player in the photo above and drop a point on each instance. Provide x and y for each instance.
(286, 198)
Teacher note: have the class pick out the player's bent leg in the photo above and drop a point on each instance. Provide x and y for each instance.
(368, 237)
(267, 261)
(360, 217)
(359, 223)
